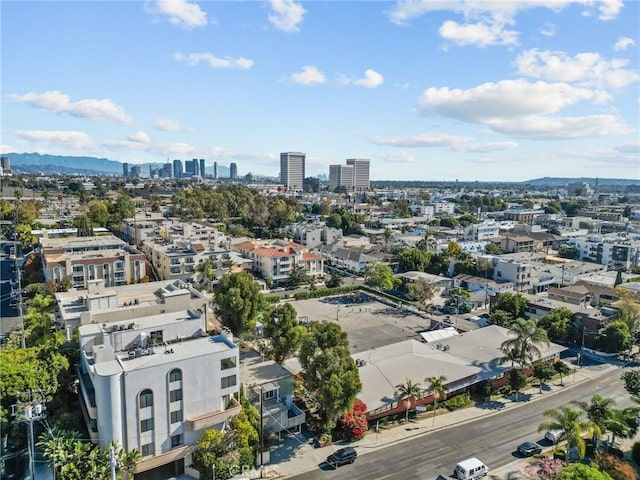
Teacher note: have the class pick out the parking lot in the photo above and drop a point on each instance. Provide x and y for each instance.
(369, 324)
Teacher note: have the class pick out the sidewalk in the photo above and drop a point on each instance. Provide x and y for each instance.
(298, 454)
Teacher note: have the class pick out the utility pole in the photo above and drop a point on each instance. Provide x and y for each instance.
(261, 433)
(113, 463)
(30, 407)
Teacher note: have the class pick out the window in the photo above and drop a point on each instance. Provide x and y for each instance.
(175, 375)
(146, 425)
(229, 381)
(147, 450)
(177, 416)
(175, 395)
(269, 394)
(176, 440)
(146, 398)
(227, 363)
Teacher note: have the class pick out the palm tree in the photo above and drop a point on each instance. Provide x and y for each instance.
(527, 339)
(408, 390)
(436, 385)
(599, 410)
(573, 423)
(510, 354)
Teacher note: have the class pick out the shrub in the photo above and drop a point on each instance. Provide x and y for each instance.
(635, 452)
(354, 425)
(617, 468)
(459, 401)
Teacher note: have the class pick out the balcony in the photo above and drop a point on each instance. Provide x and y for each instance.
(295, 417)
(210, 419)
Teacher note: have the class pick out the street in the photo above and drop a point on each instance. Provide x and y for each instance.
(8, 311)
(493, 439)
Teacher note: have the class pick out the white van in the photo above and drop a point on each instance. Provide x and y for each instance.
(470, 469)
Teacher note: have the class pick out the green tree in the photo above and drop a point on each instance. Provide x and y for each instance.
(334, 281)
(98, 212)
(574, 424)
(298, 276)
(563, 369)
(329, 371)
(492, 249)
(422, 291)
(513, 303)
(414, 260)
(83, 226)
(557, 323)
(283, 331)
(628, 305)
(517, 380)
(238, 302)
(543, 372)
(526, 339)
(407, 391)
(207, 452)
(438, 390)
(631, 380)
(580, 471)
(615, 337)
(500, 318)
(379, 275)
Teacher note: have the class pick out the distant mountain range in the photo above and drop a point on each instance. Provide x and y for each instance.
(69, 165)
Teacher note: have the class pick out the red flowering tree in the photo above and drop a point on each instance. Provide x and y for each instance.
(543, 469)
(354, 424)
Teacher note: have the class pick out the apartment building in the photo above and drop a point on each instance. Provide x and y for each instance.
(518, 273)
(83, 259)
(100, 304)
(482, 231)
(276, 258)
(314, 235)
(614, 251)
(155, 384)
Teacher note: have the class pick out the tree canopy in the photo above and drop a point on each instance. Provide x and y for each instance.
(238, 302)
(283, 331)
(379, 275)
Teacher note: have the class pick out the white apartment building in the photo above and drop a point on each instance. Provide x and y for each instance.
(518, 273)
(615, 251)
(482, 231)
(83, 259)
(444, 208)
(155, 384)
(276, 259)
(100, 304)
(313, 236)
(292, 166)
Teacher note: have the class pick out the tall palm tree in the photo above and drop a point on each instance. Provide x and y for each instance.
(599, 410)
(573, 423)
(436, 385)
(408, 390)
(510, 353)
(527, 340)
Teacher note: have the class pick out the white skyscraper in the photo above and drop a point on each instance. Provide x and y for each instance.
(292, 170)
(341, 176)
(360, 173)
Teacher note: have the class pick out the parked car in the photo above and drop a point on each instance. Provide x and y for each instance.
(554, 435)
(528, 449)
(341, 457)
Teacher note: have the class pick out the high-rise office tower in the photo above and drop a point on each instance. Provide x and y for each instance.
(154, 171)
(167, 170)
(196, 167)
(125, 170)
(188, 168)
(233, 171)
(292, 170)
(341, 176)
(177, 168)
(360, 173)
(202, 168)
(215, 170)
(136, 170)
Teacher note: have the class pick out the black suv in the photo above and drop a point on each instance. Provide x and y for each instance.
(342, 457)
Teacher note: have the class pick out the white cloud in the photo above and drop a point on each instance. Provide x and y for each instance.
(168, 125)
(422, 140)
(504, 99)
(631, 148)
(587, 68)
(180, 12)
(69, 139)
(58, 102)
(623, 43)
(308, 76)
(139, 137)
(371, 79)
(485, 147)
(397, 157)
(478, 34)
(194, 59)
(7, 149)
(548, 30)
(485, 21)
(560, 128)
(286, 15)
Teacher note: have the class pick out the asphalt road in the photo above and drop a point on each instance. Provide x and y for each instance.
(493, 439)
(8, 314)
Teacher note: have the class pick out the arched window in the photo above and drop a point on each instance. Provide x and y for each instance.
(146, 398)
(175, 375)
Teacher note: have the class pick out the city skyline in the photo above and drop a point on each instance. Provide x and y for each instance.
(426, 90)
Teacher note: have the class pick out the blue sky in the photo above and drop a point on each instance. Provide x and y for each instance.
(427, 90)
